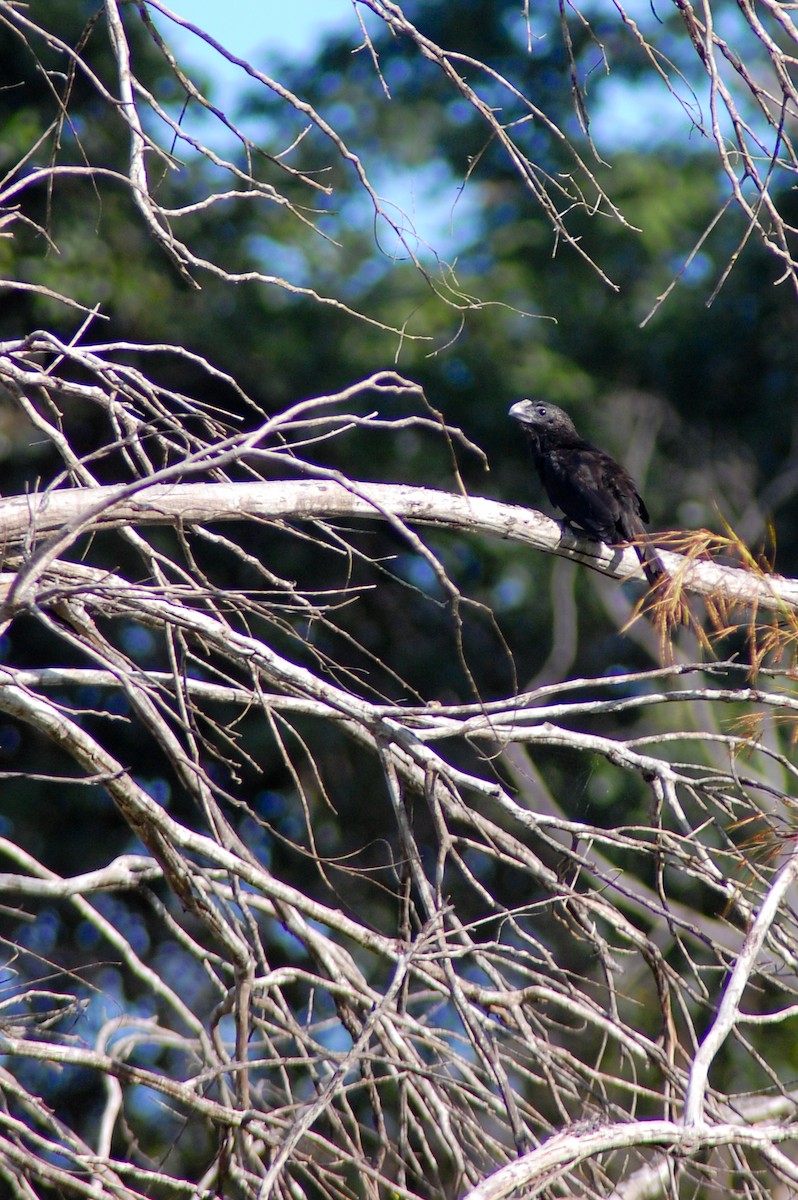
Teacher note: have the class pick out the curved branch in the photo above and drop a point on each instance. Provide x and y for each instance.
(36, 516)
(566, 1150)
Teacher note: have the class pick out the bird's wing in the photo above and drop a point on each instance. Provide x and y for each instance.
(577, 482)
(633, 514)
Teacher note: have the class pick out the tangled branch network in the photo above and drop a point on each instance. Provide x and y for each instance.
(336, 932)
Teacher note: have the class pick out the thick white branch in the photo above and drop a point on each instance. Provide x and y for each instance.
(729, 1011)
(36, 516)
(564, 1151)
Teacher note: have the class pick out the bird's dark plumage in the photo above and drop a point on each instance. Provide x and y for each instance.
(589, 486)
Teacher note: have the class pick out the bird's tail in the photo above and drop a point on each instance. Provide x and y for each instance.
(676, 609)
(650, 561)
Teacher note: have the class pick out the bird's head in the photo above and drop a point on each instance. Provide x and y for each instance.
(538, 416)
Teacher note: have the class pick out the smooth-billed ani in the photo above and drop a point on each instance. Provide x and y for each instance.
(590, 487)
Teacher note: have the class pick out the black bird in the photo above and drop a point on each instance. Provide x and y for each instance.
(590, 487)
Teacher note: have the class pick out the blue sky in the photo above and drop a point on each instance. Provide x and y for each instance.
(294, 28)
(422, 200)
(276, 26)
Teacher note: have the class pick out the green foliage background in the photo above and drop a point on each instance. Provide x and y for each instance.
(697, 401)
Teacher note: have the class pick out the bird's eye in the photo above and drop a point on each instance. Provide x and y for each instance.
(541, 410)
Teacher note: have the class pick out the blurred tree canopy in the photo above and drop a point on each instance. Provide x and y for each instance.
(358, 840)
